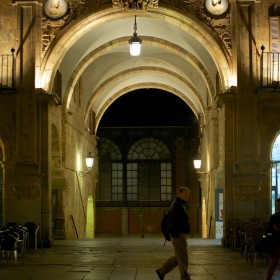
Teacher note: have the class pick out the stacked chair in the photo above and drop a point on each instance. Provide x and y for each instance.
(246, 235)
(32, 235)
(256, 234)
(13, 241)
(228, 240)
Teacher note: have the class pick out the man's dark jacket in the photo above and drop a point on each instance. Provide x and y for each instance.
(179, 218)
(274, 220)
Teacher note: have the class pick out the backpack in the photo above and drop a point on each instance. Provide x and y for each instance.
(165, 226)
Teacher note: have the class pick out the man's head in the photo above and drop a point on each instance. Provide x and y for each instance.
(184, 193)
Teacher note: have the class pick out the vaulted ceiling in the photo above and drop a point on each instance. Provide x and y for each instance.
(178, 55)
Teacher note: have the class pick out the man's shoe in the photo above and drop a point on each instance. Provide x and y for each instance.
(161, 277)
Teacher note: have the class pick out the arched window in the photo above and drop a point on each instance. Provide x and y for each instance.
(110, 184)
(275, 172)
(149, 174)
(143, 178)
(108, 149)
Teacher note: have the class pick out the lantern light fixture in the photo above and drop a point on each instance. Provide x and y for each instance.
(135, 42)
(89, 163)
(197, 163)
(197, 166)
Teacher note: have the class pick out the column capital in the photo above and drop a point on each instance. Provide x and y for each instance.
(50, 98)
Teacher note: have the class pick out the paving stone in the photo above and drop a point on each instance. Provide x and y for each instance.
(131, 259)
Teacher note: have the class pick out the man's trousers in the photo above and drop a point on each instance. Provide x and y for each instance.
(181, 258)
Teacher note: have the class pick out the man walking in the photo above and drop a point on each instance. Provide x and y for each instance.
(180, 226)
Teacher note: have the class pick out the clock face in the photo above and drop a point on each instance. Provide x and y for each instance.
(55, 8)
(216, 7)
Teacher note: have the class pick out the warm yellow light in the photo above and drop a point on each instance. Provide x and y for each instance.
(89, 161)
(38, 79)
(232, 82)
(135, 47)
(204, 218)
(78, 163)
(197, 163)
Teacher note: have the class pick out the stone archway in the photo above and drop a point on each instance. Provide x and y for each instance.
(210, 53)
(93, 60)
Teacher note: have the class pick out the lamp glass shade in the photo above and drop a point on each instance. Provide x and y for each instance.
(135, 46)
(197, 163)
(89, 161)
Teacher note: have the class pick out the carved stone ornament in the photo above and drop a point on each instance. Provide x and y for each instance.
(51, 26)
(246, 192)
(27, 192)
(219, 23)
(216, 7)
(135, 4)
(55, 8)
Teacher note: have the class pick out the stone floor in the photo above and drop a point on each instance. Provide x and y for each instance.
(130, 258)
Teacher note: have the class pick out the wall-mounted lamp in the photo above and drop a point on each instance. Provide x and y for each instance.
(135, 42)
(89, 164)
(197, 165)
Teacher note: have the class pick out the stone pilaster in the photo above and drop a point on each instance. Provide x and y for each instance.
(23, 201)
(244, 172)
